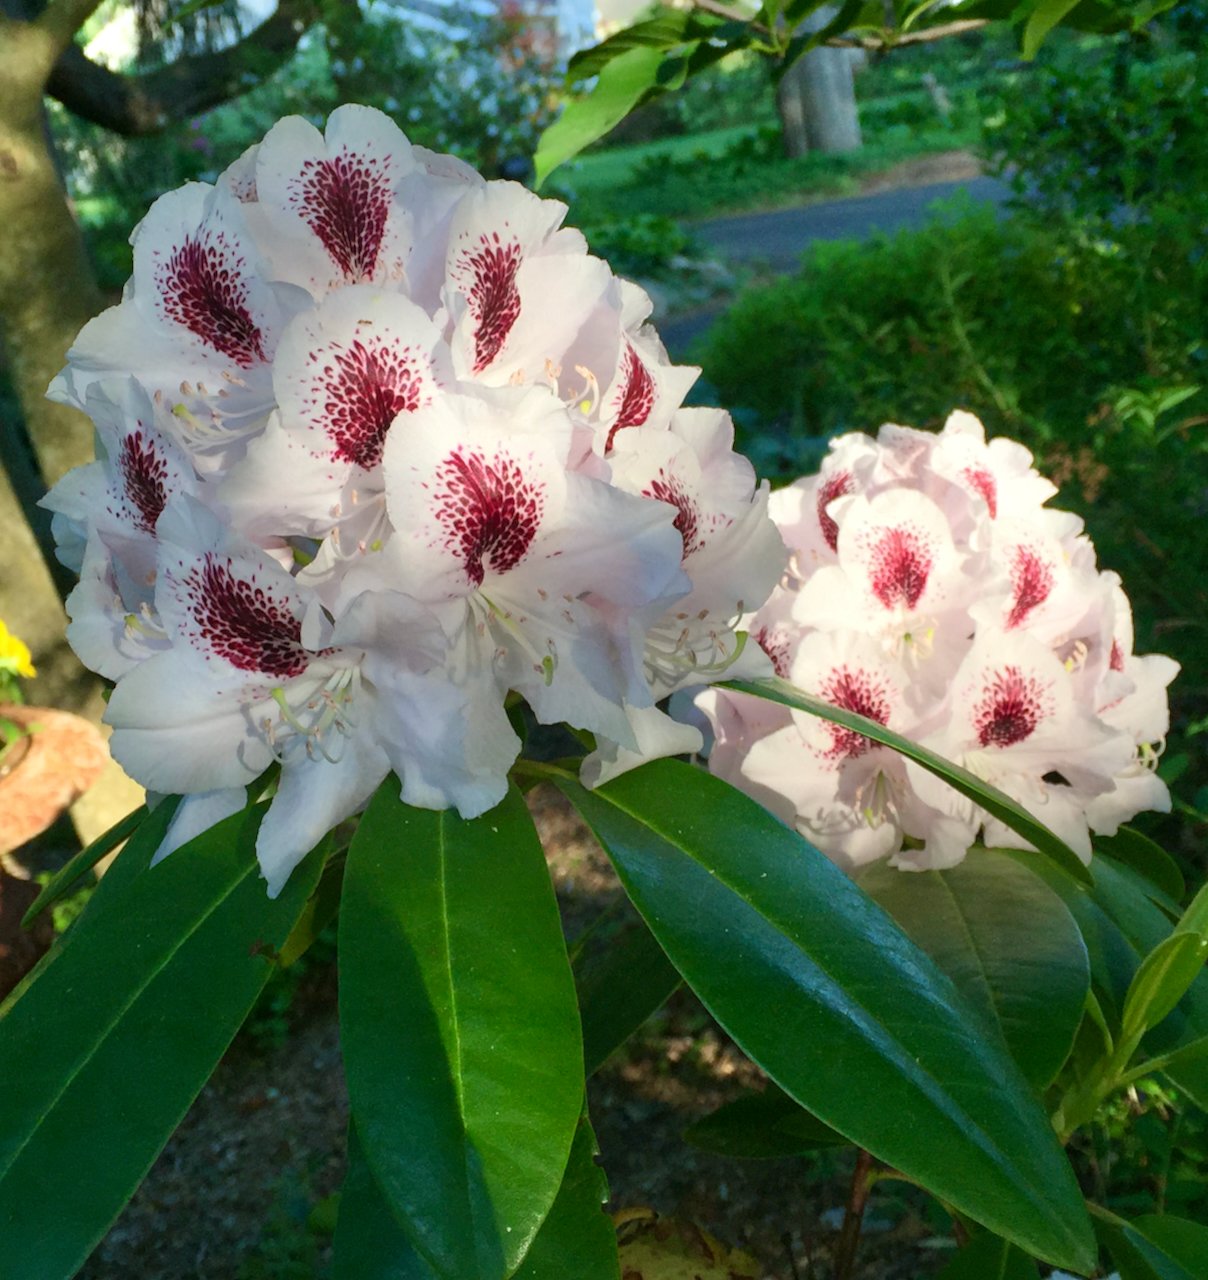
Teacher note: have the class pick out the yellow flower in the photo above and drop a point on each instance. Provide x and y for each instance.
(14, 655)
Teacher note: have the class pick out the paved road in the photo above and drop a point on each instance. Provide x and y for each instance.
(778, 239)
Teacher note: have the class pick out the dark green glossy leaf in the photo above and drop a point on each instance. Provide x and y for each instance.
(460, 1029)
(102, 1054)
(1008, 943)
(1185, 1242)
(1149, 860)
(989, 1257)
(1143, 926)
(1162, 980)
(818, 985)
(68, 876)
(318, 913)
(994, 801)
(762, 1126)
(620, 985)
(128, 865)
(1113, 959)
(1136, 1256)
(578, 1238)
(622, 84)
(369, 1244)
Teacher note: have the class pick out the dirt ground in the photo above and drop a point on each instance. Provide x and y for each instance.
(231, 1196)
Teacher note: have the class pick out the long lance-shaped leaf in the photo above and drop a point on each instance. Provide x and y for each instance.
(620, 985)
(69, 875)
(369, 1243)
(460, 1028)
(995, 802)
(576, 1239)
(1006, 940)
(102, 1054)
(818, 985)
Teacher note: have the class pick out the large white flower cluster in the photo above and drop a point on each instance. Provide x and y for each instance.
(930, 589)
(383, 446)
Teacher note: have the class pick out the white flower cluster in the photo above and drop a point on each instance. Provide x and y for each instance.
(381, 447)
(931, 590)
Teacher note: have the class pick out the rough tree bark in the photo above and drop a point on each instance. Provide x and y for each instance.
(817, 98)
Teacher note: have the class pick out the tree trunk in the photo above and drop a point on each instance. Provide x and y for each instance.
(817, 98)
(47, 287)
(47, 292)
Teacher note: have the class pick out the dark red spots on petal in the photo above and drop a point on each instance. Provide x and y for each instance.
(1011, 706)
(637, 398)
(901, 563)
(364, 388)
(144, 476)
(247, 624)
(775, 643)
(1116, 660)
(204, 288)
(1031, 584)
(492, 295)
(346, 201)
(490, 511)
(982, 482)
(831, 488)
(668, 489)
(862, 692)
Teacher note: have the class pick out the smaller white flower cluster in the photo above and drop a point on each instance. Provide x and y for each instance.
(930, 589)
(382, 446)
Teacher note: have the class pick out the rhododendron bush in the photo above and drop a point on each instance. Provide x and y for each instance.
(396, 498)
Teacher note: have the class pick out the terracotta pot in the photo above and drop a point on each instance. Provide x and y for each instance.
(59, 759)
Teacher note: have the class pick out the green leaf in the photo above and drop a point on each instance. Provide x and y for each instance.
(102, 1054)
(1185, 1242)
(460, 1029)
(668, 28)
(1119, 894)
(818, 985)
(128, 865)
(1044, 17)
(1139, 1257)
(1149, 860)
(1162, 980)
(620, 986)
(65, 879)
(995, 802)
(369, 1244)
(622, 84)
(989, 1257)
(318, 913)
(1008, 943)
(577, 1239)
(762, 1126)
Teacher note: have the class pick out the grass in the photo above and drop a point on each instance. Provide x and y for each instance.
(740, 168)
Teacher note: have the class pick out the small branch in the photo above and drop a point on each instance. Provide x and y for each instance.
(731, 14)
(874, 44)
(61, 19)
(853, 1217)
(135, 105)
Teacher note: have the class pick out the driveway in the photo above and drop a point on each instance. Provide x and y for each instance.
(778, 239)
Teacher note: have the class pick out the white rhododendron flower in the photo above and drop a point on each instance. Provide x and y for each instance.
(930, 590)
(383, 449)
